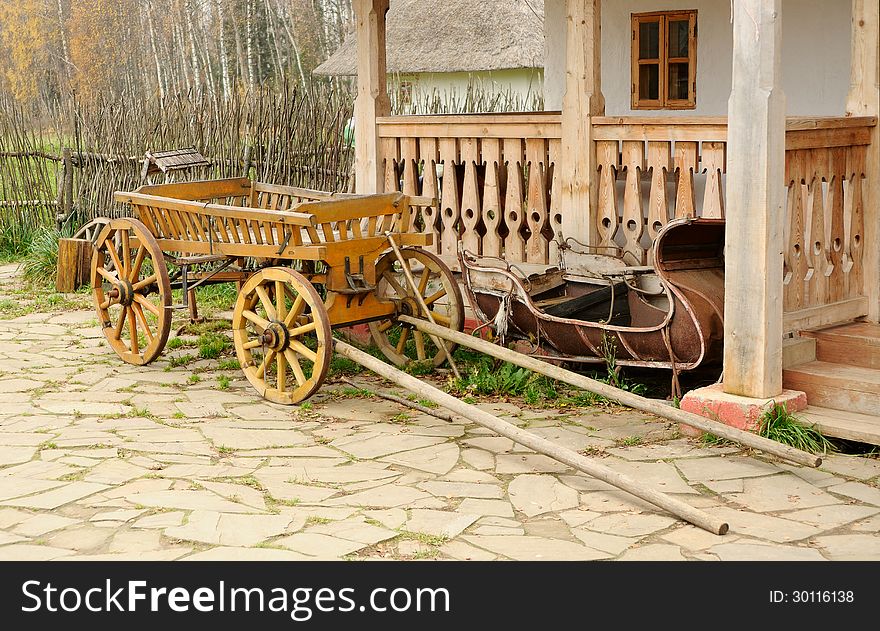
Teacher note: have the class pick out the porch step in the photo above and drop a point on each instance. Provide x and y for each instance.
(798, 350)
(863, 428)
(853, 344)
(837, 386)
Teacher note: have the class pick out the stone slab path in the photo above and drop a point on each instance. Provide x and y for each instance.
(102, 460)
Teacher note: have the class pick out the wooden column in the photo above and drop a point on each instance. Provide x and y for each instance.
(372, 94)
(583, 99)
(864, 100)
(555, 29)
(755, 199)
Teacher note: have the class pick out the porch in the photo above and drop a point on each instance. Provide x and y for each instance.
(497, 179)
(799, 193)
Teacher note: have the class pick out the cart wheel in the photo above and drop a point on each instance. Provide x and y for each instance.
(282, 335)
(402, 343)
(92, 230)
(131, 290)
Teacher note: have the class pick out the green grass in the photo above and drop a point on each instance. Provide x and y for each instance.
(223, 382)
(484, 378)
(212, 345)
(229, 364)
(175, 343)
(780, 425)
(183, 360)
(41, 258)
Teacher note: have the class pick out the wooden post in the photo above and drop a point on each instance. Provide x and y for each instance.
(74, 264)
(755, 204)
(540, 444)
(583, 99)
(555, 28)
(372, 94)
(864, 100)
(65, 195)
(623, 397)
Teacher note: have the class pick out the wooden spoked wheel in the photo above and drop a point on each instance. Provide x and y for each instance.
(282, 335)
(399, 342)
(131, 290)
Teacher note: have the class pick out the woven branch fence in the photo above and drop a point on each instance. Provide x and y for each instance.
(63, 162)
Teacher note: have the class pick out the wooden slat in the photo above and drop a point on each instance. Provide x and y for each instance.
(713, 164)
(429, 155)
(450, 204)
(633, 225)
(660, 163)
(537, 246)
(685, 162)
(471, 208)
(492, 208)
(514, 243)
(607, 158)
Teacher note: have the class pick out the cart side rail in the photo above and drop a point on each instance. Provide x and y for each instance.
(308, 232)
(234, 191)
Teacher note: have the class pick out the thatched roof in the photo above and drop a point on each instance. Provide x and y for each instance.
(454, 36)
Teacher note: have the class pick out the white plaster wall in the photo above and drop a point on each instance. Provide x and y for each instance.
(815, 55)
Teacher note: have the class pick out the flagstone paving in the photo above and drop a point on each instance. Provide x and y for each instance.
(102, 460)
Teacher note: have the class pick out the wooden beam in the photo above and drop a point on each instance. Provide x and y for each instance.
(755, 199)
(864, 100)
(554, 53)
(372, 94)
(583, 99)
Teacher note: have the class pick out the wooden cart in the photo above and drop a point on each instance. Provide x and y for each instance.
(304, 261)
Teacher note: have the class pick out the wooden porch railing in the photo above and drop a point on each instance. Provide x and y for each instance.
(497, 184)
(493, 175)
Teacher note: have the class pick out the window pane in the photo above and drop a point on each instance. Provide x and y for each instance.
(679, 31)
(649, 40)
(649, 82)
(678, 82)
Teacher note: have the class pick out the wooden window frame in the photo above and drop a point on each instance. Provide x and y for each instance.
(664, 61)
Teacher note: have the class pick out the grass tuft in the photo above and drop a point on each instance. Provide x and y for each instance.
(780, 425)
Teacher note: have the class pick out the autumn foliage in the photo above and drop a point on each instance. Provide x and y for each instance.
(162, 47)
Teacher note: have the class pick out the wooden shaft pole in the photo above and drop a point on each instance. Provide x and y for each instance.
(421, 300)
(443, 416)
(621, 396)
(538, 443)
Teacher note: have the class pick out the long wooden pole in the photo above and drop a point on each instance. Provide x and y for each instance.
(538, 443)
(621, 396)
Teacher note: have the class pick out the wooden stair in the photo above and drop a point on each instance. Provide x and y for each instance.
(842, 382)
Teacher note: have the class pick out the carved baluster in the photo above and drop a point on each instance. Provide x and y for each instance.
(836, 180)
(514, 243)
(471, 210)
(607, 158)
(817, 285)
(391, 152)
(536, 157)
(713, 167)
(795, 262)
(430, 188)
(855, 214)
(409, 161)
(633, 218)
(450, 202)
(685, 166)
(554, 147)
(659, 161)
(492, 244)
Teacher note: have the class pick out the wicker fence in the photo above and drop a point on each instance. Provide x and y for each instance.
(63, 162)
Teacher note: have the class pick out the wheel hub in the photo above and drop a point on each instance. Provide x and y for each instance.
(409, 307)
(276, 336)
(125, 293)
